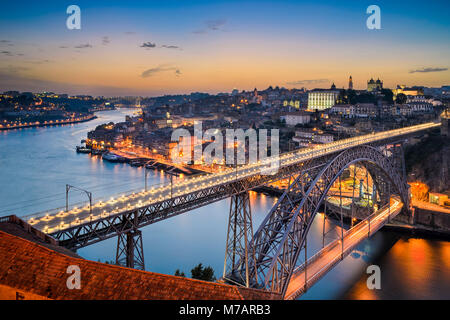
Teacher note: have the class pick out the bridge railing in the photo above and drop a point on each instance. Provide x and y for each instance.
(249, 169)
(85, 203)
(318, 275)
(347, 232)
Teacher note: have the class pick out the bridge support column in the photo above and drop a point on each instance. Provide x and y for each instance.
(130, 251)
(239, 253)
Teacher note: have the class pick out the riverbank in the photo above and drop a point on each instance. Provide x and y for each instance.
(48, 123)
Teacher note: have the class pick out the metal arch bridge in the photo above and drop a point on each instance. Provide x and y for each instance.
(276, 246)
(268, 258)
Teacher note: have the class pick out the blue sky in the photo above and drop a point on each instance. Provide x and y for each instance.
(237, 43)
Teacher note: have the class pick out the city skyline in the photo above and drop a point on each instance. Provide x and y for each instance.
(153, 49)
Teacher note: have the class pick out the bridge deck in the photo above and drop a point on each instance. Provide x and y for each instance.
(58, 220)
(322, 262)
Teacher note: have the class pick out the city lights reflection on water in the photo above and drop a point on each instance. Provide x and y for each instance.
(411, 269)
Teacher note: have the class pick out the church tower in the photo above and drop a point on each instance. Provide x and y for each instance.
(350, 83)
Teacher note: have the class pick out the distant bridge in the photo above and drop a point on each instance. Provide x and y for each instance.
(267, 259)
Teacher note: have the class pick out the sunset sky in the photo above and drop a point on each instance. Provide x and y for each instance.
(162, 47)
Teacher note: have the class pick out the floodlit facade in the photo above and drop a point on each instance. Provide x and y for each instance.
(320, 99)
(373, 85)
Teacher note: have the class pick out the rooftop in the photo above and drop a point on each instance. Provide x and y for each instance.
(34, 271)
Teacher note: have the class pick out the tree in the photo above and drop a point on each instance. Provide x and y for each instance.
(281, 123)
(400, 99)
(179, 273)
(388, 95)
(203, 273)
(351, 97)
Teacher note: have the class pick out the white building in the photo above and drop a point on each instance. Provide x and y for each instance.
(321, 99)
(311, 137)
(365, 110)
(345, 110)
(294, 118)
(421, 107)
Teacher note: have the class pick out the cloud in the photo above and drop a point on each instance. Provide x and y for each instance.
(16, 78)
(425, 70)
(129, 32)
(148, 45)
(105, 40)
(13, 70)
(39, 61)
(170, 47)
(215, 24)
(63, 47)
(10, 54)
(83, 46)
(312, 81)
(6, 42)
(211, 25)
(161, 68)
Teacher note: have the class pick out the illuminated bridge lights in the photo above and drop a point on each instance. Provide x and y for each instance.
(193, 184)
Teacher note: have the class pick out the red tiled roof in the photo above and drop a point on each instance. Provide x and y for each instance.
(32, 268)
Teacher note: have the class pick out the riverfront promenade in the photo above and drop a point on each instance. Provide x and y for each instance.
(10, 126)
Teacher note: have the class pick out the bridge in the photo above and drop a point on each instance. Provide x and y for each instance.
(304, 276)
(267, 259)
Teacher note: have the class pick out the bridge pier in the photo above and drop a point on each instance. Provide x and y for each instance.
(238, 252)
(130, 251)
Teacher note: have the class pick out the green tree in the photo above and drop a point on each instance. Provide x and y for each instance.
(203, 273)
(351, 97)
(388, 95)
(401, 98)
(179, 273)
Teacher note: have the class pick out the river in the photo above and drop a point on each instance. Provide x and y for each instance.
(37, 163)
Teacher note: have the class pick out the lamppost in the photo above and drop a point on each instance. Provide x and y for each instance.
(89, 194)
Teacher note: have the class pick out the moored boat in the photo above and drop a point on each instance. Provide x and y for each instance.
(109, 156)
(81, 149)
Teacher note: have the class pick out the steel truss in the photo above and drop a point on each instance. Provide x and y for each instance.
(130, 250)
(88, 233)
(282, 235)
(239, 236)
(98, 230)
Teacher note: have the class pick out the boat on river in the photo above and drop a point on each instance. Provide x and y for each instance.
(109, 156)
(81, 149)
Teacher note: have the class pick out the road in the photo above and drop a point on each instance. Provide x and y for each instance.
(58, 219)
(323, 261)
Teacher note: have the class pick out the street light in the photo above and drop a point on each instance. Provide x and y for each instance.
(89, 194)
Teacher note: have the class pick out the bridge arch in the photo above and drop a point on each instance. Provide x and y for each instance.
(281, 236)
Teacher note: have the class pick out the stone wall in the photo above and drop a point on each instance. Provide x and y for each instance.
(439, 221)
